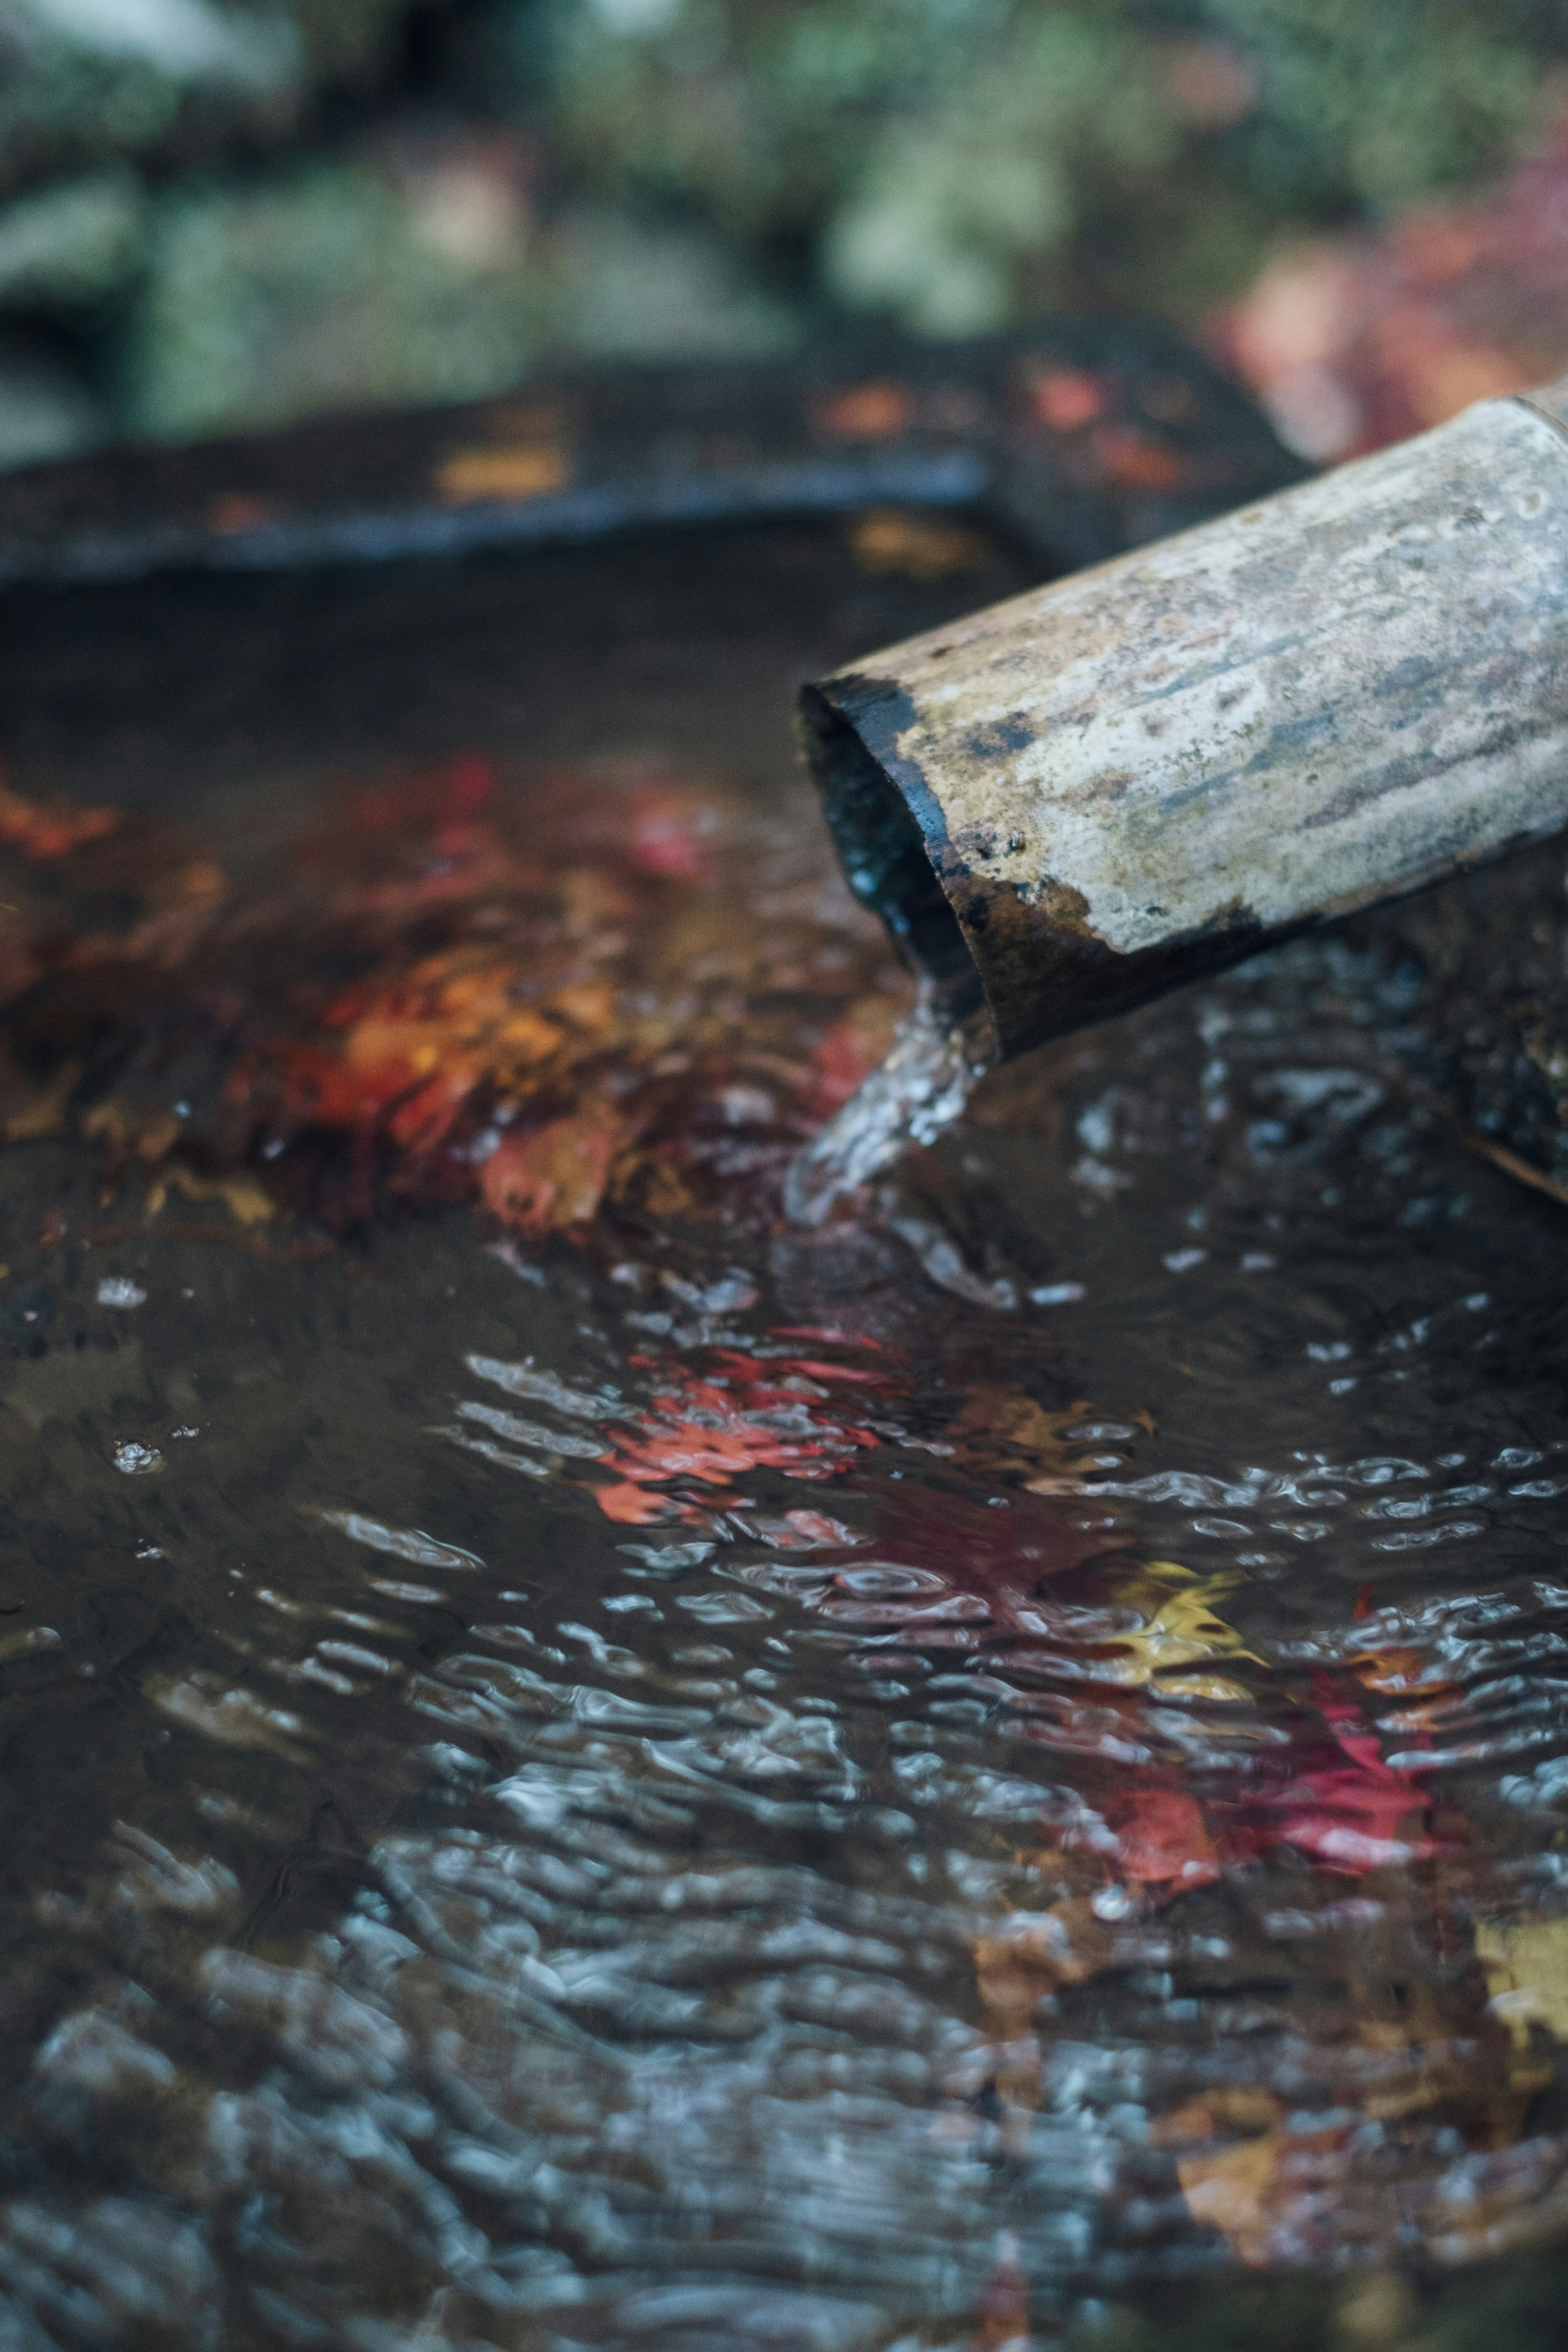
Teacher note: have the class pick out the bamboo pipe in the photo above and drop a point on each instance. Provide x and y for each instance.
(1082, 797)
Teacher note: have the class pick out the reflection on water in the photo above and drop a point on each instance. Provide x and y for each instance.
(590, 1767)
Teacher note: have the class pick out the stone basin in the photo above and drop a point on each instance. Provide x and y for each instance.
(582, 1766)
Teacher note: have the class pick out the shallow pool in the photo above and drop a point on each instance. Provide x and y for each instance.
(582, 1766)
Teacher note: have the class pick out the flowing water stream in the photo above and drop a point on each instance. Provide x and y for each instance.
(916, 1092)
(587, 1764)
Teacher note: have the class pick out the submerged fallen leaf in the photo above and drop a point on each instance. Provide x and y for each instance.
(743, 1417)
(1162, 1838)
(37, 830)
(49, 1112)
(556, 1176)
(1282, 2184)
(1030, 1957)
(1351, 1816)
(1352, 1812)
(1007, 1430)
(1002, 2318)
(1182, 1631)
(631, 1505)
(563, 997)
(1526, 1968)
(1238, 2190)
(247, 1201)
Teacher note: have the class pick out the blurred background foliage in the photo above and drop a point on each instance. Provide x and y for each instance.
(222, 214)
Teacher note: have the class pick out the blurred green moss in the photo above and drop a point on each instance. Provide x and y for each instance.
(415, 276)
(167, 81)
(1366, 103)
(324, 286)
(955, 164)
(72, 242)
(236, 211)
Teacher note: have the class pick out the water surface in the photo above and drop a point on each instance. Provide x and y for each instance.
(987, 1769)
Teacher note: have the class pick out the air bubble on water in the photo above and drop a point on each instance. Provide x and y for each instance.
(667, 1560)
(136, 1460)
(119, 1290)
(1112, 1903)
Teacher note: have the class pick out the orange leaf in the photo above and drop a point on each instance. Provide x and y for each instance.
(426, 1118)
(554, 1176)
(1133, 462)
(866, 412)
(1067, 400)
(666, 837)
(634, 1507)
(1163, 1838)
(39, 832)
(1237, 2192)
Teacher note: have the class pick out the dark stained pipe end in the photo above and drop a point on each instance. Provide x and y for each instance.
(1030, 958)
(887, 854)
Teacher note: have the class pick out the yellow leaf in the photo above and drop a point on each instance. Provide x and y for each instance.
(1210, 1686)
(46, 1114)
(892, 539)
(1002, 1426)
(520, 470)
(1236, 2192)
(244, 1197)
(1526, 1967)
(1033, 1954)
(1182, 1631)
(122, 1128)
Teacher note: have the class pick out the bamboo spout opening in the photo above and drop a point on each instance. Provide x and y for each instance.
(885, 855)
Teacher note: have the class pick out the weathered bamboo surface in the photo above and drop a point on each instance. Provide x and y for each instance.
(1151, 768)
